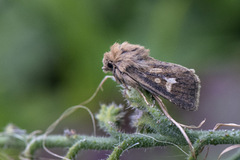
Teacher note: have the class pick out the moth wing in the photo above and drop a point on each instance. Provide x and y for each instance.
(174, 82)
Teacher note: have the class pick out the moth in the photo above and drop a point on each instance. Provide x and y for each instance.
(132, 66)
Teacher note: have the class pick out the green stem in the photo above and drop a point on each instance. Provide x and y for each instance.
(122, 143)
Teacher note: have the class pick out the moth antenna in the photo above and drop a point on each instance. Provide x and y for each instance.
(176, 123)
(99, 87)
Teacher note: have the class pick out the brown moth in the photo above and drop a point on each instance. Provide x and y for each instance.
(132, 66)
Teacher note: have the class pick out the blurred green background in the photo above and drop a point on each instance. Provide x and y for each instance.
(51, 57)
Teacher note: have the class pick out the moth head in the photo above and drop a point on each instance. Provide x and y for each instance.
(107, 65)
(111, 58)
(120, 53)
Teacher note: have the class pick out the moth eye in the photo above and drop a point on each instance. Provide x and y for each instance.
(110, 65)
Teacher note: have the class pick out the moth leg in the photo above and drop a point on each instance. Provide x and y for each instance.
(145, 99)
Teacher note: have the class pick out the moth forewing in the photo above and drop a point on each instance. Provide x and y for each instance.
(132, 66)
